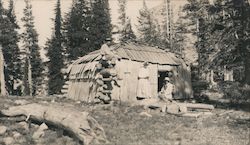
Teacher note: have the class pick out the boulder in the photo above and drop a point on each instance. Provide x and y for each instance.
(16, 135)
(8, 140)
(43, 126)
(173, 109)
(24, 125)
(40, 131)
(34, 126)
(3, 130)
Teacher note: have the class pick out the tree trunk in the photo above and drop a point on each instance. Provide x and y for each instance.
(30, 78)
(2, 79)
(247, 68)
(79, 124)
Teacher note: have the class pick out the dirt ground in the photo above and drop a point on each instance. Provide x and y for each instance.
(124, 125)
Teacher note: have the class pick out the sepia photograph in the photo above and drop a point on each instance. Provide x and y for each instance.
(124, 72)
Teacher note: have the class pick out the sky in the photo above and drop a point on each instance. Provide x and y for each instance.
(43, 11)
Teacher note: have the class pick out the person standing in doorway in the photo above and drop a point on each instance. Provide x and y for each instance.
(143, 88)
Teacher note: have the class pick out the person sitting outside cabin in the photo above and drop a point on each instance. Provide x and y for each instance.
(143, 88)
(167, 90)
(166, 93)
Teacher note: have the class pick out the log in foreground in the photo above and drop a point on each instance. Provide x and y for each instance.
(197, 106)
(80, 124)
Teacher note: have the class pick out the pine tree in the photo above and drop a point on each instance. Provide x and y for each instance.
(148, 27)
(55, 51)
(122, 11)
(223, 27)
(125, 31)
(33, 62)
(9, 40)
(179, 33)
(76, 29)
(179, 39)
(165, 27)
(238, 23)
(11, 14)
(101, 27)
(197, 13)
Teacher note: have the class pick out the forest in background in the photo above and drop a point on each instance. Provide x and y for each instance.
(221, 28)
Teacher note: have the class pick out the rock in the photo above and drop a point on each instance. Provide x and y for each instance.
(21, 102)
(145, 114)
(40, 132)
(3, 130)
(183, 109)
(173, 109)
(53, 100)
(16, 134)
(43, 127)
(34, 126)
(8, 141)
(44, 102)
(24, 125)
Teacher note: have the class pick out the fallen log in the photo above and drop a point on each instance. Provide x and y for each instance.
(79, 124)
(197, 106)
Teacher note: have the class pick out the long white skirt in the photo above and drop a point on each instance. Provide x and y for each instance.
(143, 88)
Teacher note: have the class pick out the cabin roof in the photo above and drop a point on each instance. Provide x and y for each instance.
(135, 52)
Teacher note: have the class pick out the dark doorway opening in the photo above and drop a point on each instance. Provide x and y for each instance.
(161, 77)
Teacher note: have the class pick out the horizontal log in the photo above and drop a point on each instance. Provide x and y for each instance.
(197, 106)
(80, 124)
(106, 91)
(107, 79)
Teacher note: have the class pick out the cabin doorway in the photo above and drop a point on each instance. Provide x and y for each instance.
(161, 77)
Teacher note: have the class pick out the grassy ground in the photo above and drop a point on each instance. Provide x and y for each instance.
(124, 125)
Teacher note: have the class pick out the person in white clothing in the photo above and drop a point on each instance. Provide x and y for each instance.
(166, 94)
(167, 90)
(143, 87)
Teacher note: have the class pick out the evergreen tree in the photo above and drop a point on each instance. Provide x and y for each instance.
(32, 58)
(101, 27)
(148, 27)
(122, 11)
(236, 24)
(76, 29)
(223, 28)
(179, 37)
(197, 12)
(9, 40)
(55, 55)
(125, 31)
(11, 14)
(165, 27)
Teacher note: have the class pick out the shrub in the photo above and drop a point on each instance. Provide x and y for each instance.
(235, 92)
